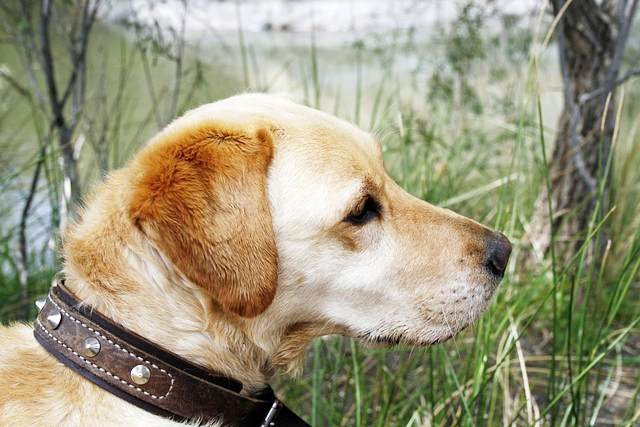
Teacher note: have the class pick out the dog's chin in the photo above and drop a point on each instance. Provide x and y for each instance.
(379, 339)
(382, 341)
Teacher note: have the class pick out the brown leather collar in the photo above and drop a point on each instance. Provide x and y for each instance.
(144, 374)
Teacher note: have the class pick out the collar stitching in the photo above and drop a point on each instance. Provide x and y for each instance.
(63, 311)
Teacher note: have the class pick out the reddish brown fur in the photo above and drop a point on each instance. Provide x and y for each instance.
(196, 201)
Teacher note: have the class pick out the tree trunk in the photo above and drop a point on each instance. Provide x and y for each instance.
(591, 38)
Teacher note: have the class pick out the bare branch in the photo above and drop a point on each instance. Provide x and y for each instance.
(24, 250)
(88, 19)
(179, 36)
(15, 84)
(605, 89)
(47, 64)
(629, 74)
(625, 22)
(78, 57)
(28, 55)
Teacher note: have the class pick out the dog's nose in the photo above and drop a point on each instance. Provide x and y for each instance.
(498, 253)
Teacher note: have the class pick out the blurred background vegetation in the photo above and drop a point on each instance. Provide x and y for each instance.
(471, 104)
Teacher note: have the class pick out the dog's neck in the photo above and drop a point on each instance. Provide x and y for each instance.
(185, 326)
(136, 287)
(112, 267)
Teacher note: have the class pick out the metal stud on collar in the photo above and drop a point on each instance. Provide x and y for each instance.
(140, 374)
(91, 347)
(40, 304)
(54, 319)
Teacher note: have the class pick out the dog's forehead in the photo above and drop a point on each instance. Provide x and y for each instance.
(313, 131)
(318, 158)
(321, 164)
(315, 143)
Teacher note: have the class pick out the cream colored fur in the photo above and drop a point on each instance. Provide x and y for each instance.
(411, 273)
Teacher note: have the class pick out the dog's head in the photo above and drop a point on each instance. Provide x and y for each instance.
(283, 213)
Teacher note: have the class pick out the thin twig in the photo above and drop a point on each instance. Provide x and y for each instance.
(24, 250)
(604, 89)
(15, 85)
(48, 65)
(179, 59)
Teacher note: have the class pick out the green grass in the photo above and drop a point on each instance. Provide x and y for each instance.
(559, 345)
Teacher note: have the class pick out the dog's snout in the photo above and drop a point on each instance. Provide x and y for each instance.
(498, 253)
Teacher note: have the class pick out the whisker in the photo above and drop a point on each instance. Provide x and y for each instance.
(453, 337)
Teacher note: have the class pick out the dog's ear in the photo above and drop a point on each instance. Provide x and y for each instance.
(200, 194)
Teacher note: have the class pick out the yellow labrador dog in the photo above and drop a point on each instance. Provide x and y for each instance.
(241, 232)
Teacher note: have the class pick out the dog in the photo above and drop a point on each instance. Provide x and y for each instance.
(241, 232)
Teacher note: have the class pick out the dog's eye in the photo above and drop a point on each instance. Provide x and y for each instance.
(364, 212)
